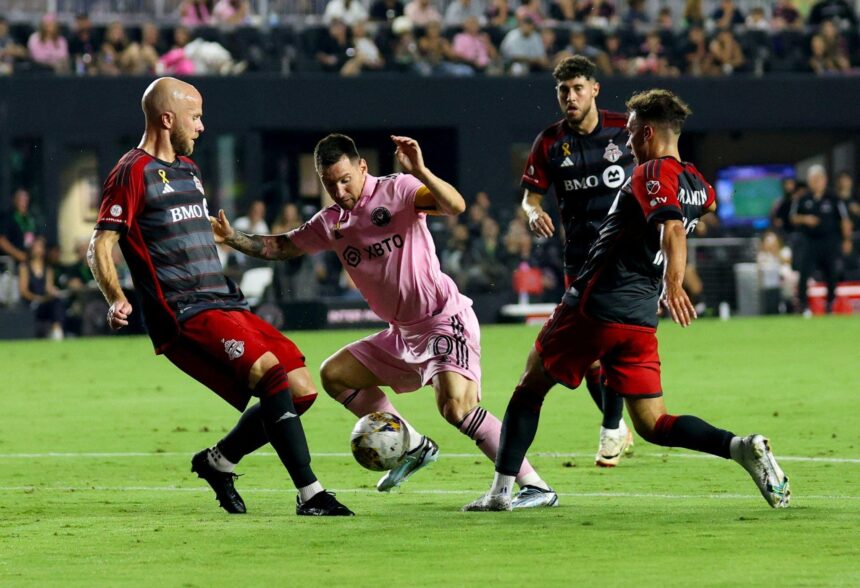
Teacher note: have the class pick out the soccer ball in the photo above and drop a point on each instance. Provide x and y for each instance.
(379, 441)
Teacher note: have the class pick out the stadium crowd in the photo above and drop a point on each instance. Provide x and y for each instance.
(441, 37)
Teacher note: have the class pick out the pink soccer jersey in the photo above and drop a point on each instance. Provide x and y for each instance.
(386, 248)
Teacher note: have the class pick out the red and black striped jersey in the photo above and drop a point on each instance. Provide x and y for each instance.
(622, 277)
(586, 172)
(161, 212)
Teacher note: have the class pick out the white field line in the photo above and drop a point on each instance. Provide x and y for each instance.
(661, 496)
(96, 455)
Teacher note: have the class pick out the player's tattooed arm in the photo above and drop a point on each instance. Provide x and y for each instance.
(262, 246)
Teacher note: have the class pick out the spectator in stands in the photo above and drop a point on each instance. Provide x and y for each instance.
(839, 11)
(459, 10)
(693, 13)
(727, 15)
(347, 11)
(473, 47)
(653, 59)
(455, 258)
(422, 12)
(550, 45)
(757, 20)
(563, 11)
(176, 61)
(436, 55)
(231, 13)
(18, 228)
(487, 270)
(36, 286)
(195, 13)
(523, 50)
(786, 16)
(10, 50)
(533, 10)
(115, 53)
(823, 222)
(599, 14)
(726, 52)
(778, 280)
(666, 26)
(149, 50)
(333, 47)
(386, 10)
(847, 194)
(288, 219)
(619, 64)
(579, 46)
(500, 15)
(254, 222)
(636, 18)
(404, 47)
(48, 47)
(697, 58)
(77, 275)
(367, 54)
(83, 50)
(827, 50)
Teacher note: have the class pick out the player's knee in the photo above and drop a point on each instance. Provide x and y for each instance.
(646, 429)
(454, 410)
(332, 377)
(263, 364)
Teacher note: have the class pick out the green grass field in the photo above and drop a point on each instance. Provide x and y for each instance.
(95, 487)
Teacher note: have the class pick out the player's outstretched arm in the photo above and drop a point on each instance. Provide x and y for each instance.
(262, 246)
(445, 197)
(673, 243)
(100, 260)
(539, 221)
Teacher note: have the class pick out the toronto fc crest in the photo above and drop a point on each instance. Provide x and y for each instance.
(613, 152)
(234, 349)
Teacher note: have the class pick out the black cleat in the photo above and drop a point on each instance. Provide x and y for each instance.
(323, 504)
(221, 482)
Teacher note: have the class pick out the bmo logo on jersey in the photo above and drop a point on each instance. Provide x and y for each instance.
(612, 177)
(189, 211)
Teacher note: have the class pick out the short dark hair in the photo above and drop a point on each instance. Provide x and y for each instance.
(574, 67)
(660, 107)
(331, 148)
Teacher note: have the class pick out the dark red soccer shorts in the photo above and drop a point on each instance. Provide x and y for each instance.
(218, 347)
(570, 342)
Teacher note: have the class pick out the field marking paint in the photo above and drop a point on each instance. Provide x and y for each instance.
(96, 455)
(430, 491)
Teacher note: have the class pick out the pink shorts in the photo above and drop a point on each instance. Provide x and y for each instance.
(407, 357)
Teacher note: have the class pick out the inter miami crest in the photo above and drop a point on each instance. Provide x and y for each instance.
(380, 216)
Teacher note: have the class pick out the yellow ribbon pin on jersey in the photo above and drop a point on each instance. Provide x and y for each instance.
(565, 149)
(163, 175)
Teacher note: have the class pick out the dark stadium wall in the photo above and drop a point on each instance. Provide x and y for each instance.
(483, 117)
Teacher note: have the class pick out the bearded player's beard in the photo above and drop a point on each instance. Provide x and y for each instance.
(182, 144)
(581, 114)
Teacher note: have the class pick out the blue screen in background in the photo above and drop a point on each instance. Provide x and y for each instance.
(746, 193)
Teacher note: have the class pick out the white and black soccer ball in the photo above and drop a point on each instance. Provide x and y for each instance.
(379, 441)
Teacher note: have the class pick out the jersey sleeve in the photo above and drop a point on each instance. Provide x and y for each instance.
(314, 235)
(122, 198)
(655, 187)
(536, 176)
(407, 189)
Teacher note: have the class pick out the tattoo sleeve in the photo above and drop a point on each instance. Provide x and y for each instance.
(264, 246)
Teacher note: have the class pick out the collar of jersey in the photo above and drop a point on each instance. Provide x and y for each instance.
(176, 162)
(368, 189)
